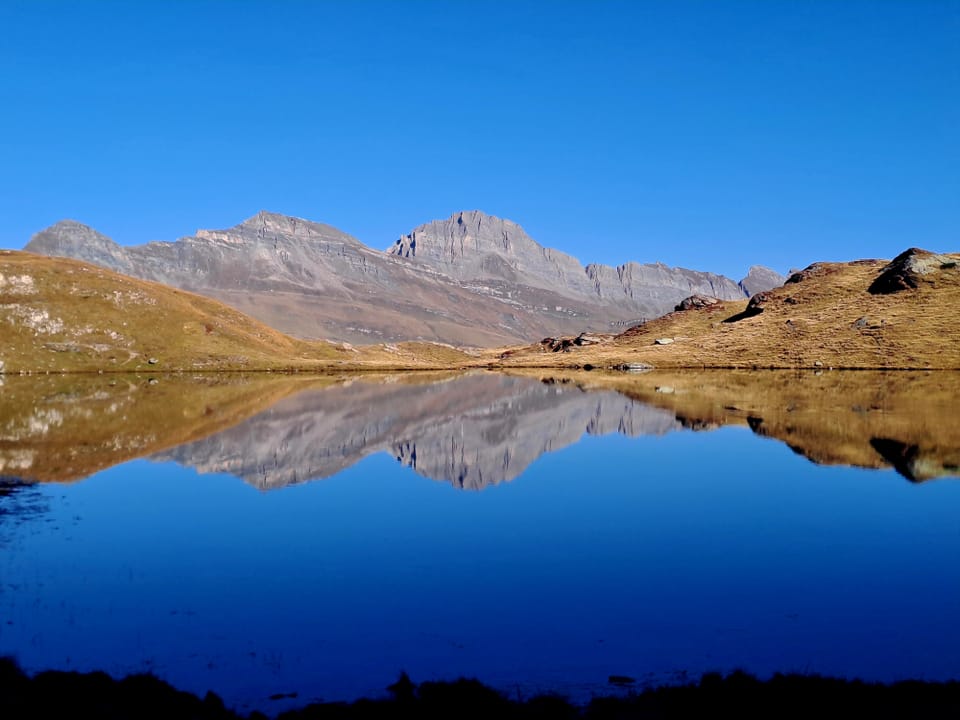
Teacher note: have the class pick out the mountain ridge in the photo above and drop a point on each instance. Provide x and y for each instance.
(312, 280)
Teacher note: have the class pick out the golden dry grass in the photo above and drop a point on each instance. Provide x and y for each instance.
(826, 320)
(61, 315)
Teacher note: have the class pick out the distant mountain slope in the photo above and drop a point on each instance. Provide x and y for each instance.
(477, 281)
(862, 314)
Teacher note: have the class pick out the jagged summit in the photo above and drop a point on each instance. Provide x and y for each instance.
(474, 224)
(759, 279)
(472, 245)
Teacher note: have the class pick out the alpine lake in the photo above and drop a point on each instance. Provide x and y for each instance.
(281, 539)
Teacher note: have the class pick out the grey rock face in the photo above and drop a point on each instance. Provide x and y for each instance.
(474, 246)
(470, 280)
(908, 269)
(472, 431)
(69, 238)
(696, 302)
(471, 246)
(760, 279)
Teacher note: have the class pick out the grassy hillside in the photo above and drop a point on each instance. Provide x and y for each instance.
(61, 315)
(864, 314)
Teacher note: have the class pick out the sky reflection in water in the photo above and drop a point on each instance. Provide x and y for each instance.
(649, 557)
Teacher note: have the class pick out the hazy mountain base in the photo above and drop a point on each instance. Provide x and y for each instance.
(69, 694)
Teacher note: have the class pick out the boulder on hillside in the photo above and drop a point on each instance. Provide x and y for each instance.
(906, 270)
(565, 344)
(754, 307)
(696, 302)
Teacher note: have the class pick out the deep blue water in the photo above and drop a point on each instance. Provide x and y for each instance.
(657, 557)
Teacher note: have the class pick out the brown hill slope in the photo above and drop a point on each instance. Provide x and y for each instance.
(60, 315)
(863, 314)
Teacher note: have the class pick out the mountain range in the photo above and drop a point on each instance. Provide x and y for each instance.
(470, 280)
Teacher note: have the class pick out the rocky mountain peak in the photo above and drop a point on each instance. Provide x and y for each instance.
(69, 238)
(271, 226)
(463, 234)
(73, 232)
(473, 246)
(760, 278)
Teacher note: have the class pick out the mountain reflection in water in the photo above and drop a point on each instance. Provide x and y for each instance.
(654, 558)
(472, 430)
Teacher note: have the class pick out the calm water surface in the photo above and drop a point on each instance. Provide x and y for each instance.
(536, 536)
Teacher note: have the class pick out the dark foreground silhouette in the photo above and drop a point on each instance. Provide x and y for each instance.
(739, 695)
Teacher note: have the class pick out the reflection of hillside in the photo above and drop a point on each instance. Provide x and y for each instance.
(904, 420)
(66, 427)
(473, 431)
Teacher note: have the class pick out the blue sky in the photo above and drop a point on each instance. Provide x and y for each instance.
(711, 135)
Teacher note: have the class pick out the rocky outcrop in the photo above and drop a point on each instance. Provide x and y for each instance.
(470, 280)
(564, 344)
(754, 307)
(696, 302)
(910, 268)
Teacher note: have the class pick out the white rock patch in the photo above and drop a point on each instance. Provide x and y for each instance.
(17, 284)
(17, 460)
(36, 319)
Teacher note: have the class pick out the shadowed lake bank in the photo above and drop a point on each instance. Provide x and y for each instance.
(67, 694)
